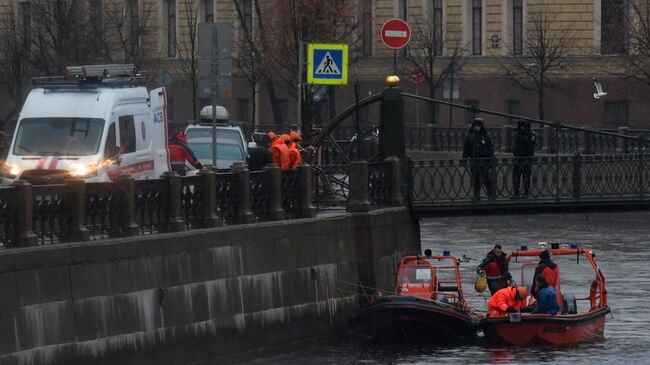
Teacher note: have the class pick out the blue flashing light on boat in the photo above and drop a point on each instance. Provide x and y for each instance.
(574, 245)
(446, 253)
(524, 248)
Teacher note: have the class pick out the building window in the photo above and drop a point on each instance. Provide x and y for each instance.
(366, 27)
(243, 109)
(517, 27)
(208, 10)
(283, 107)
(171, 28)
(513, 108)
(25, 9)
(616, 112)
(436, 17)
(477, 27)
(472, 113)
(614, 26)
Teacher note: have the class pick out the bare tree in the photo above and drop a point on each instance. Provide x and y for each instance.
(248, 60)
(58, 35)
(14, 61)
(187, 60)
(545, 47)
(309, 21)
(130, 31)
(638, 56)
(427, 53)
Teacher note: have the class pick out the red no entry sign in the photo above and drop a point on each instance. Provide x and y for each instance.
(396, 33)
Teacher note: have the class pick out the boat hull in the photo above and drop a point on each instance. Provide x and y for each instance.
(559, 330)
(413, 319)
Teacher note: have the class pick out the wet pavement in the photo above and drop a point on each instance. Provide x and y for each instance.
(621, 242)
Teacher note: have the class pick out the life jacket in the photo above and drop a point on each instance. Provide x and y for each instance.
(502, 300)
(294, 156)
(280, 153)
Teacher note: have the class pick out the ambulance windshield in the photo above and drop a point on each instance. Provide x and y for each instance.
(58, 136)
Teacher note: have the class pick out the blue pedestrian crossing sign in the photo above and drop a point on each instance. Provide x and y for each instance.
(327, 64)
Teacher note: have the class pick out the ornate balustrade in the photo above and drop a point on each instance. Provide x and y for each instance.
(576, 177)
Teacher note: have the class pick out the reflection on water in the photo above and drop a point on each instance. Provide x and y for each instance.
(621, 243)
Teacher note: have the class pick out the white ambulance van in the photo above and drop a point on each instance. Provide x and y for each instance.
(94, 123)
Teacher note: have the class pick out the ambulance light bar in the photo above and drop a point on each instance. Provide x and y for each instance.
(101, 71)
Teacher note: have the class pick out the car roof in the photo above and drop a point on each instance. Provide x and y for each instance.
(208, 126)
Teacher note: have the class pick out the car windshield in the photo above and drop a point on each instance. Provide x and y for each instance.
(203, 151)
(231, 134)
(58, 136)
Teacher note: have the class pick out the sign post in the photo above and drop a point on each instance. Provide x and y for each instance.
(327, 64)
(396, 34)
(215, 65)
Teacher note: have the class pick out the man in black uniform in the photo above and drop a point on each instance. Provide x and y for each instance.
(479, 149)
(523, 150)
(260, 156)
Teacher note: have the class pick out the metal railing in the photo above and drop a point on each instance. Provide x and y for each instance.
(534, 179)
(78, 211)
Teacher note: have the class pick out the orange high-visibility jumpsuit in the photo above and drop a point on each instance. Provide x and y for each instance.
(502, 300)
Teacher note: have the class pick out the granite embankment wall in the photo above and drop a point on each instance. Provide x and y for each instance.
(195, 297)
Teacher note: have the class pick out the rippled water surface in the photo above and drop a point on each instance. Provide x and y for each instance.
(621, 242)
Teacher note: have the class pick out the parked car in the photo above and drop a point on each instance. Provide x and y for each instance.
(229, 151)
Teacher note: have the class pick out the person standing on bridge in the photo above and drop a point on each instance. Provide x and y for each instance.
(479, 149)
(523, 149)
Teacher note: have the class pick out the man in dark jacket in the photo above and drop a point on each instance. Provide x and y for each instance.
(179, 152)
(548, 269)
(260, 156)
(546, 297)
(479, 149)
(495, 266)
(523, 150)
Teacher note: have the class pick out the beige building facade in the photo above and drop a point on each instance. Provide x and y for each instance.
(473, 44)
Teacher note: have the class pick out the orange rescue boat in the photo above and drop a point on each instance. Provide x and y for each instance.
(569, 327)
(427, 305)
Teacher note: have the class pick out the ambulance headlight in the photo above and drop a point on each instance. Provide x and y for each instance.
(80, 170)
(14, 170)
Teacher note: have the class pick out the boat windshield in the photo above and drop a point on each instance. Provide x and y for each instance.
(414, 274)
(58, 136)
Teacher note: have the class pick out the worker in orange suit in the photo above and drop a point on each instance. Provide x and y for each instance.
(507, 300)
(294, 154)
(279, 151)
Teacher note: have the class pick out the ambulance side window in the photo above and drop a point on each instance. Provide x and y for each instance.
(127, 134)
(110, 142)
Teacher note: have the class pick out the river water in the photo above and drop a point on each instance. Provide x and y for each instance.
(621, 242)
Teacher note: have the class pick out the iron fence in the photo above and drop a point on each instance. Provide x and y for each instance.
(331, 186)
(576, 177)
(8, 216)
(103, 211)
(152, 205)
(260, 195)
(50, 214)
(192, 201)
(291, 194)
(228, 197)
